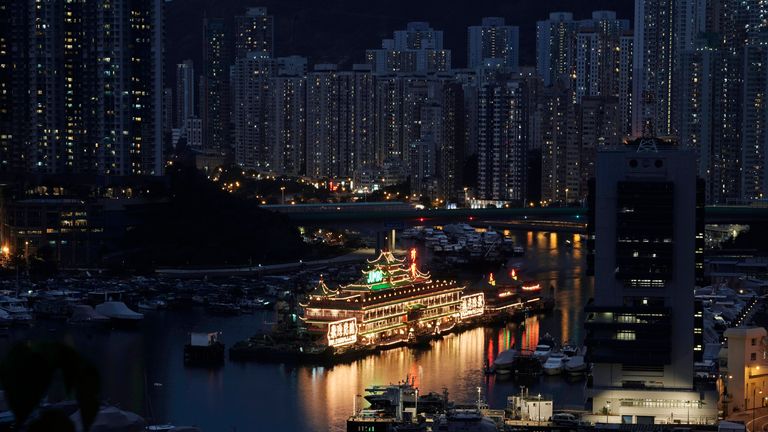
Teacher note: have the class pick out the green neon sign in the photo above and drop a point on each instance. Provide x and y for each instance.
(375, 276)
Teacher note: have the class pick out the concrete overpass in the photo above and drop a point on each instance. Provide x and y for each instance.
(402, 213)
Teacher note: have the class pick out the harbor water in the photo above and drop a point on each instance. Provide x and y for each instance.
(142, 369)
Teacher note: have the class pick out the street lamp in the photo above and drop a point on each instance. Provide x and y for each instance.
(688, 408)
(539, 409)
(566, 197)
(607, 410)
(282, 193)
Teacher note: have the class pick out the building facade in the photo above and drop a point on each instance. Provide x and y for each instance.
(640, 326)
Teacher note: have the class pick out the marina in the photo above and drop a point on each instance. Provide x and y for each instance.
(496, 355)
(191, 395)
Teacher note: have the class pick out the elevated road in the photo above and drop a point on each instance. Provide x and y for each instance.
(391, 212)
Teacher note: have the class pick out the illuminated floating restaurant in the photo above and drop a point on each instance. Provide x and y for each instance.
(393, 303)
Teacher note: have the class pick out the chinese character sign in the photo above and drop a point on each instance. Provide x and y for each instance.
(472, 305)
(343, 332)
(374, 276)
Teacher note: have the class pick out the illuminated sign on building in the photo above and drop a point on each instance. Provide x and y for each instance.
(375, 276)
(342, 332)
(472, 305)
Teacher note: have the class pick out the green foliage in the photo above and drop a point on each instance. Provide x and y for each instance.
(29, 370)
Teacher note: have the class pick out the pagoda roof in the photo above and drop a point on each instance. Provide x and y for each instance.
(387, 271)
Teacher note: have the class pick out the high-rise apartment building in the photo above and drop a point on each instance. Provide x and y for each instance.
(251, 80)
(185, 92)
(656, 46)
(84, 87)
(754, 149)
(254, 31)
(598, 55)
(501, 145)
(287, 121)
(493, 41)
(214, 90)
(322, 154)
(556, 47)
(356, 121)
(418, 48)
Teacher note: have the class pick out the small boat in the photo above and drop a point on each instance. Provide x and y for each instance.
(505, 361)
(204, 349)
(16, 309)
(542, 352)
(85, 314)
(118, 312)
(570, 350)
(152, 304)
(162, 427)
(554, 364)
(488, 369)
(576, 365)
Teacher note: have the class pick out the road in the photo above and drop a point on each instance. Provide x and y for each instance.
(760, 422)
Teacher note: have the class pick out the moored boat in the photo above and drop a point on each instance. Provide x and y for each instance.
(542, 352)
(204, 349)
(119, 313)
(505, 361)
(576, 365)
(554, 364)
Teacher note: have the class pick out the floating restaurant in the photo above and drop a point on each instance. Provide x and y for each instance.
(393, 303)
(396, 303)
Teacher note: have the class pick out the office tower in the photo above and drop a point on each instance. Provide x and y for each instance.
(83, 98)
(493, 41)
(640, 324)
(322, 155)
(598, 55)
(557, 122)
(185, 92)
(555, 47)
(501, 146)
(418, 48)
(287, 123)
(356, 121)
(214, 91)
(254, 31)
(251, 92)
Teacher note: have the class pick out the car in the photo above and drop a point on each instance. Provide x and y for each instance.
(565, 419)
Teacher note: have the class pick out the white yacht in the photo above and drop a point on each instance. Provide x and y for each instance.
(542, 352)
(576, 365)
(16, 309)
(505, 361)
(118, 312)
(555, 363)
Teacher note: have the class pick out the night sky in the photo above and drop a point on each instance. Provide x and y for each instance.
(339, 31)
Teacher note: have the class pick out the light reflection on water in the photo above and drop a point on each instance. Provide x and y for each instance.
(242, 397)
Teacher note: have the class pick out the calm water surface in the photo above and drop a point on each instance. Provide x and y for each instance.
(142, 370)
